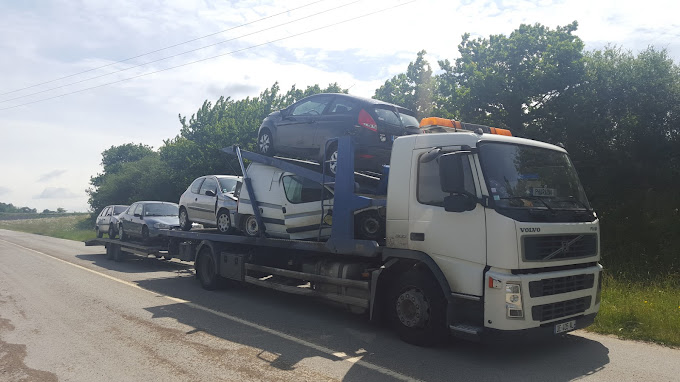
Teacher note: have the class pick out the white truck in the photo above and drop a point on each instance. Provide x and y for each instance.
(487, 236)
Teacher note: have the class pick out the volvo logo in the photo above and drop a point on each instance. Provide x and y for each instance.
(531, 229)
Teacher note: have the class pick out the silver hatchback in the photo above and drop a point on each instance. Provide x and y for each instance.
(210, 200)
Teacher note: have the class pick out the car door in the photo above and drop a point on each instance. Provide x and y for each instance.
(101, 218)
(337, 119)
(302, 206)
(136, 220)
(205, 204)
(295, 132)
(126, 217)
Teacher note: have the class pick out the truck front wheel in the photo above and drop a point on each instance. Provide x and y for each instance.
(417, 308)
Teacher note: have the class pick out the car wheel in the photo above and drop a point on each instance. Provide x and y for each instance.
(112, 232)
(184, 222)
(265, 143)
(145, 233)
(100, 234)
(223, 221)
(417, 308)
(369, 225)
(250, 227)
(122, 234)
(332, 160)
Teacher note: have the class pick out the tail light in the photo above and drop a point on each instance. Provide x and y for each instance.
(365, 120)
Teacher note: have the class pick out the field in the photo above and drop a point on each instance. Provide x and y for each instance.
(74, 227)
(648, 311)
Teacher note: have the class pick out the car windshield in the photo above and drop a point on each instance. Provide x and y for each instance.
(117, 210)
(227, 184)
(531, 177)
(161, 209)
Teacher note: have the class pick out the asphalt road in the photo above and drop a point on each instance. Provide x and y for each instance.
(69, 314)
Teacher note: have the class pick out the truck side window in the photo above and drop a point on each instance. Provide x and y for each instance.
(429, 189)
(302, 190)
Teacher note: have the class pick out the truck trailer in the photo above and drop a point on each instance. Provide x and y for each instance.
(487, 236)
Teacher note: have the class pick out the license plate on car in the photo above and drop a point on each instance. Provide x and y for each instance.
(565, 326)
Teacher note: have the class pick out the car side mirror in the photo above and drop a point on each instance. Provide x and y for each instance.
(138, 215)
(210, 192)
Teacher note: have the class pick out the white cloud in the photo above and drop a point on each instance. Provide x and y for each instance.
(51, 175)
(56, 193)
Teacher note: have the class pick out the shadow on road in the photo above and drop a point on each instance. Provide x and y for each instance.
(563, 359)
(136, 264)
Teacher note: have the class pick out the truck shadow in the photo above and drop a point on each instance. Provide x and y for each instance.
(224, 314)
(136, 264)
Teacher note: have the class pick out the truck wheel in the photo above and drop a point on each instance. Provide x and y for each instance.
(112, 232)
(109, 251)
(250, 227)
(369, 225)
(206, 269)
(184, 222)
(265, 143)
(123, 235)
(118, 254)
(100, 234)
(223, 221)
(417, 309)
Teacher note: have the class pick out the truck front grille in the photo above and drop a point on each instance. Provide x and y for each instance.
(560, 309)
(559, 247)
(559, 285)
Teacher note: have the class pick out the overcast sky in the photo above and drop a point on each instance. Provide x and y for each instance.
(49, 149)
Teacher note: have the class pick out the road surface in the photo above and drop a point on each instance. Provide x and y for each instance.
(69, 314)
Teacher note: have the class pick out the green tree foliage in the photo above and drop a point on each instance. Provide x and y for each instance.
(413, 90)
(513, 81)
(9, 207)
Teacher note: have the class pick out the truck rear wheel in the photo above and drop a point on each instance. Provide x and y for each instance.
(206, 269)
(249, 226)
(417, 308)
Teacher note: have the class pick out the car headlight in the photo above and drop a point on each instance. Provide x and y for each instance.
(513, 300)
(161, 226)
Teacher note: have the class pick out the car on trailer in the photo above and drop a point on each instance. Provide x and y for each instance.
(144, 219)
(211, 201)
(303, 128)
(107, 220)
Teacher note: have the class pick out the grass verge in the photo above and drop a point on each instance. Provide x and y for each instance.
(74, 227)
(646, 311)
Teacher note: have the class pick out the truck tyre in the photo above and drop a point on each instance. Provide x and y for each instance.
(184, 222)
(109, 251)
(112, 232)
(417, 308)
(368, 225)
(223, 221)
(206, 269)
(265, 143)
(100, 234)
(249, 226)
(123, 235)
(118, 254)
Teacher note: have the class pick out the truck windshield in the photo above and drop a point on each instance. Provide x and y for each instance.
(521, 176)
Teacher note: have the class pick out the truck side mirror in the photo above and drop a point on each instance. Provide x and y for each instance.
(452, 181)
(451, 175)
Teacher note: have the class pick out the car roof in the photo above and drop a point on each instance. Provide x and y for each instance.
(363, 99)
(154, 201)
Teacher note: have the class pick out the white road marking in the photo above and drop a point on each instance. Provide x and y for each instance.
(342, 356)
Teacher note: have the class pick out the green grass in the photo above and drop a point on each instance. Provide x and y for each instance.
(75, 227)
(646, 311)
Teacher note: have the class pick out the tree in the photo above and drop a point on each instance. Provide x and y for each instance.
(413, 90)
(513, 81)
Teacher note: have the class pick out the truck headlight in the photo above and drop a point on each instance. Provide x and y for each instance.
(513, 300)
(161, 226)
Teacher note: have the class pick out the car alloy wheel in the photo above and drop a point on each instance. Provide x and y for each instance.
(264, 143)
(223, 221)
(333, 162)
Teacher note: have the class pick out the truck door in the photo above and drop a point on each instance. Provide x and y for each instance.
(456, 241)
(302, 207)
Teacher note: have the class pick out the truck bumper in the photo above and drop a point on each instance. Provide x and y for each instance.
(543, 332)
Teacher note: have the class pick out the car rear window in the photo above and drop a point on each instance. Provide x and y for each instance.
(119, 209)
(407, 118)
(388, 116)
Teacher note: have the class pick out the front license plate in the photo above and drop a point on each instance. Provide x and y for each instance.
(565, 326)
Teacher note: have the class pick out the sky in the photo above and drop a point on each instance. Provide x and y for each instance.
(76, 79)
